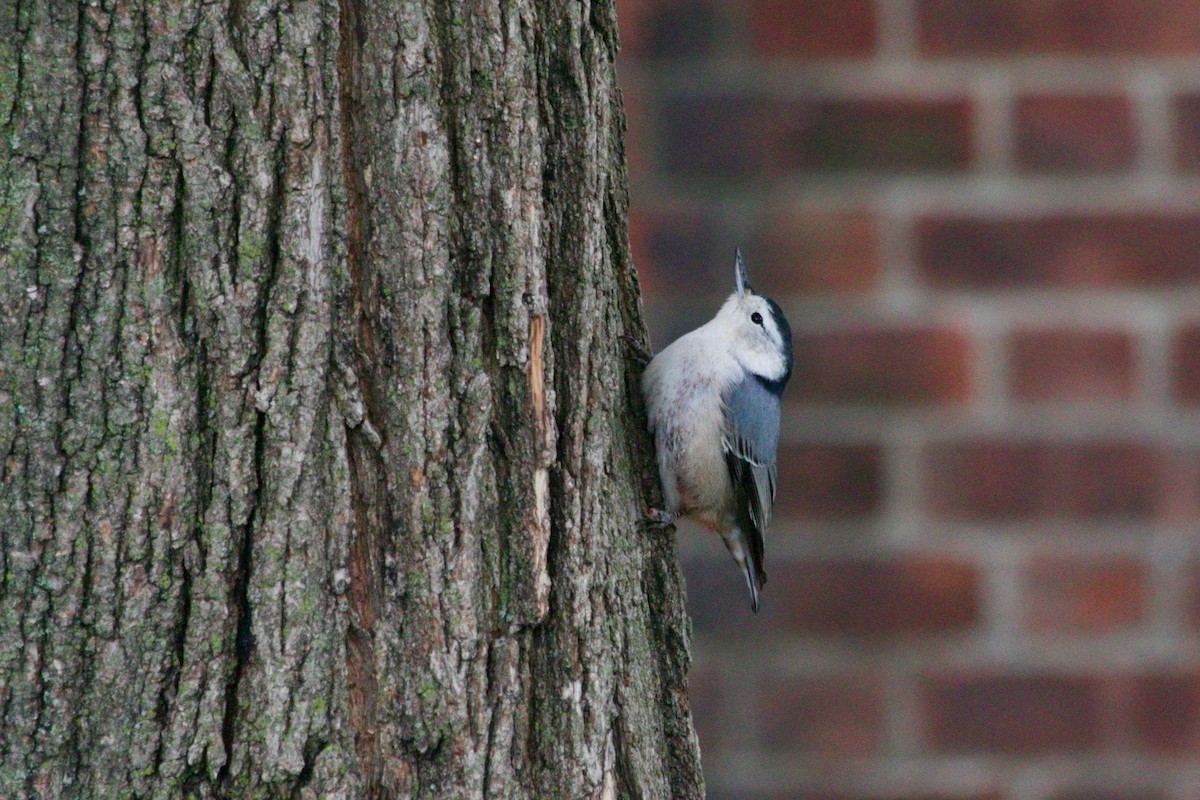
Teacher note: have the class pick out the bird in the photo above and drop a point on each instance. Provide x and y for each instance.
(713, 402)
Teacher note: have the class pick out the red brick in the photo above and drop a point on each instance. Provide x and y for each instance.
(909, 366)
(1011, 714)
(721, 793)
(633, 20)
(688, 252)
(1074, 134)
(1068, 595)
(667, 28)
(1193, 596)
(1185, 365)
(717, 599)
(817, 252)
(1013, 480)
(681, 253)
(742, 138)
(638, 106)
(1105, 794)
(829, 482)
(837, 717)
(877, 598)
(713, 136)
(716, 791)
(1011, 27)
(1166, 713)
(844, 29)
(1187, 131)
(874, 135)
(1103, 251)
(716, 702)
(1071, 365)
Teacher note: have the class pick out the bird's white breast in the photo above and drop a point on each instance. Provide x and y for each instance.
(683, 386)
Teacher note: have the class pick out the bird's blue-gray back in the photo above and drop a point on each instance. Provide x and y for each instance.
(752, 414)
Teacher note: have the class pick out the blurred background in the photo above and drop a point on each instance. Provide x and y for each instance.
(982, 218)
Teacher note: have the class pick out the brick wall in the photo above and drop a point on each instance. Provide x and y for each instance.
(983, 220)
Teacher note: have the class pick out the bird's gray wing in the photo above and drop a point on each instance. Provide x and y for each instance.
(750, 436)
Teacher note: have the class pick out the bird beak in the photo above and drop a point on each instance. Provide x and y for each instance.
(740, 280)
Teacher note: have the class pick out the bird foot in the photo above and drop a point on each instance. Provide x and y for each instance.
(637, 350)
(656, 520)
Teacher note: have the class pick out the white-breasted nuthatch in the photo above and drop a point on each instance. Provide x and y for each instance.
(712, 398)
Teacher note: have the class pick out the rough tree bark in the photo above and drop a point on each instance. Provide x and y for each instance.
(321, 452)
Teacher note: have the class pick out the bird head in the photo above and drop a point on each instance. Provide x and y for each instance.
(757, 332)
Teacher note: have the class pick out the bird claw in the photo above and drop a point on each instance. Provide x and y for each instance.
(657, 520)
(637, 350)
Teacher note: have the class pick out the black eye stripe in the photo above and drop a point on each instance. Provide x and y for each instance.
(756, 318)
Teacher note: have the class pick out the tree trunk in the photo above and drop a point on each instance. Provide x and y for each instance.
(322, 455)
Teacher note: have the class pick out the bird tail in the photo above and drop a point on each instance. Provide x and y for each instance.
(750, 560)
(752, 583)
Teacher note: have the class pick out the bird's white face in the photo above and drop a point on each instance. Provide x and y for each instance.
(758, 335)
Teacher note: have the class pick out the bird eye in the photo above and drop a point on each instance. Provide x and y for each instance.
(756, 318)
